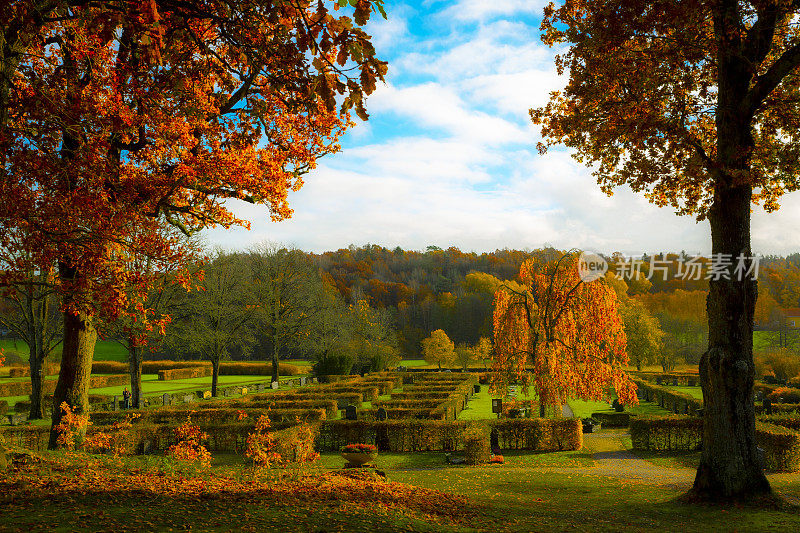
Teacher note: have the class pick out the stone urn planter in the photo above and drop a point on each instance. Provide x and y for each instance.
(359, 459)
(359, 454)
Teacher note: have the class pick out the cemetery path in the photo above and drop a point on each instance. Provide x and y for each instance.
(612, 459)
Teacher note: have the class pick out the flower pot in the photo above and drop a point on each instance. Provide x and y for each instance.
(358, 459)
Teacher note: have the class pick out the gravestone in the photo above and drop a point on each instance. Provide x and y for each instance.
(115, 404)
(767, 406)
(165, 400)
(188, 398)
(275, 385)
(291, 383)
(303, 381)
(381, 415)
(494, 441)
(476, 389)
(497, 405)
(262, 387)
(350, 413)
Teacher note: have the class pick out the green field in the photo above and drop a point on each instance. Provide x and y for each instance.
(104, 350)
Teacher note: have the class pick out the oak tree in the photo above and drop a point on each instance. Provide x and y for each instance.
(118, 118)
(693, 104)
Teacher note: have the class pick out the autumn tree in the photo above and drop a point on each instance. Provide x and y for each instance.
(438, 349)
(559, 334)
(691, 103)
(119, 118)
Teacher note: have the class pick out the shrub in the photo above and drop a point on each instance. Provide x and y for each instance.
(333, 365)
(296, 444)
(779, 362)
(261, 445)
(189, 446)
(476, 444)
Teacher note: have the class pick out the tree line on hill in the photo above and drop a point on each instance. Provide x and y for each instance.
(366, 308)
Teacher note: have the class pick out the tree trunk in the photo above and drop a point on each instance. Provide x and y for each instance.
(729, 465)
(135, 368)
(36, 361)
(214, 375)
(76, 368)
(275, 361)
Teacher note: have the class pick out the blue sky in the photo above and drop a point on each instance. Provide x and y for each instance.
(448, 157)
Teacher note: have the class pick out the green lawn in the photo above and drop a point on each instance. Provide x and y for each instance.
(585, 408)
(104, 350)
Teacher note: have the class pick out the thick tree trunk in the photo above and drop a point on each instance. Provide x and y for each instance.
(135, 369)
(214, 375)
(80, 337)
(36, 361)
(729, 464)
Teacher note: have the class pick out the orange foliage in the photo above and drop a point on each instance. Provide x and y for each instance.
(260, 445)
(190, 447)
(560, 335)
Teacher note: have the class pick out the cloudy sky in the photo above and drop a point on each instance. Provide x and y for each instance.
(448, 157)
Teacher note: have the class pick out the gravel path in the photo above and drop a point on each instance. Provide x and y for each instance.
(613, 460)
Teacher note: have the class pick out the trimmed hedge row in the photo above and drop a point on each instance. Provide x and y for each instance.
(330, 406)
(684, 379)
(677, 402)
(779, 408)
(354, 398)
(21, 371)
(211, 416)
(25, 405)
(659, 433)
(226, 368)
(419, 395)
(406, 404)
(781, 447)
(21, 388)
(781, 444)
(539, 434)
(185, 373)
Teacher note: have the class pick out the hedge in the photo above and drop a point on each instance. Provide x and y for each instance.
(419, 395)
(226, 368)
(25, 405)
(211, 416)
(399, 414)
(330, 406)
(781, 447)
(407, 404)
(779, 408)
(264, 368)
(3, 407)
(539, 434)
(22, 388)
(184, 373)
(666, 433)
(21, 371)
(785, 395)
(677, 402)
(685, 379)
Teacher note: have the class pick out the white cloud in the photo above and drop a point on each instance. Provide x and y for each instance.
(441, 108)
(480, 10)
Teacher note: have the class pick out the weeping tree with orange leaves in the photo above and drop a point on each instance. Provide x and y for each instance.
(119, 119)
(559, 334)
